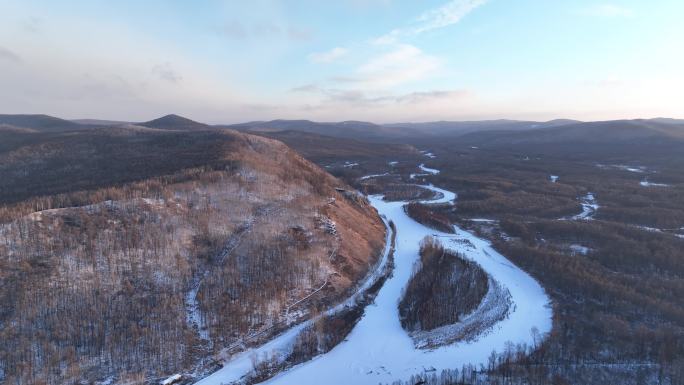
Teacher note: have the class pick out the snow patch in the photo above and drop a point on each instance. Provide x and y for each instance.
(107, 381)
(646, 183)
(589, 208)
(428, 154)
(650, 229)
(172, 380)
(579, 249)
(624, 167)
(373, 176)
(193, 314)
(483, 220)
(428, 170)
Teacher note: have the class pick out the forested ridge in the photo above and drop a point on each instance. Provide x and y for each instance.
(181, 246)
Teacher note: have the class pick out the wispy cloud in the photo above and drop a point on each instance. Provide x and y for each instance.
(166, 72)
(426, 96)
(394, 62)
(237, 30)
(608, 10)
(359, 98)
(328, 56)
(9, 56)
(448, 14)
(403, 63)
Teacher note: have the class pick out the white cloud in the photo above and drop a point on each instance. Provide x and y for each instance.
(328, 56)
(404, 63)
(608, 10)
(399, 63)
(448, 14)
(429, 96)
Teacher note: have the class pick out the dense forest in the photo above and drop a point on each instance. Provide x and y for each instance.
(184, 245)
(615, 279)
(443, 288)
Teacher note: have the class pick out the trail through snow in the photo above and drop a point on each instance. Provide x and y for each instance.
(378, 349)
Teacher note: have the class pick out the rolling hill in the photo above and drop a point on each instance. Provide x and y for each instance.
(42, 123)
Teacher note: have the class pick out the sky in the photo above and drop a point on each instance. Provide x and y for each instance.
(373, 60)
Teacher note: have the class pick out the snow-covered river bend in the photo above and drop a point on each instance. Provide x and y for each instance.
(378, 349)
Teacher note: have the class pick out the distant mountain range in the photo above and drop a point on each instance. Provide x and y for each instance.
(642, 132)
(348, 129)
(460, 128)
(493, 132)
(46, 123)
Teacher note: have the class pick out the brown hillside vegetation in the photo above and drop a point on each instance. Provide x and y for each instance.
(106, 235)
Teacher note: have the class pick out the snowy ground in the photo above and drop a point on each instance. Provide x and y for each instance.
(193, 315)
(378, 349)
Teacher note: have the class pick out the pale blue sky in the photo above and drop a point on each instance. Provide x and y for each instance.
(378, 60)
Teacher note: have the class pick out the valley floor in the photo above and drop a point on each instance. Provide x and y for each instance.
(379, 350)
